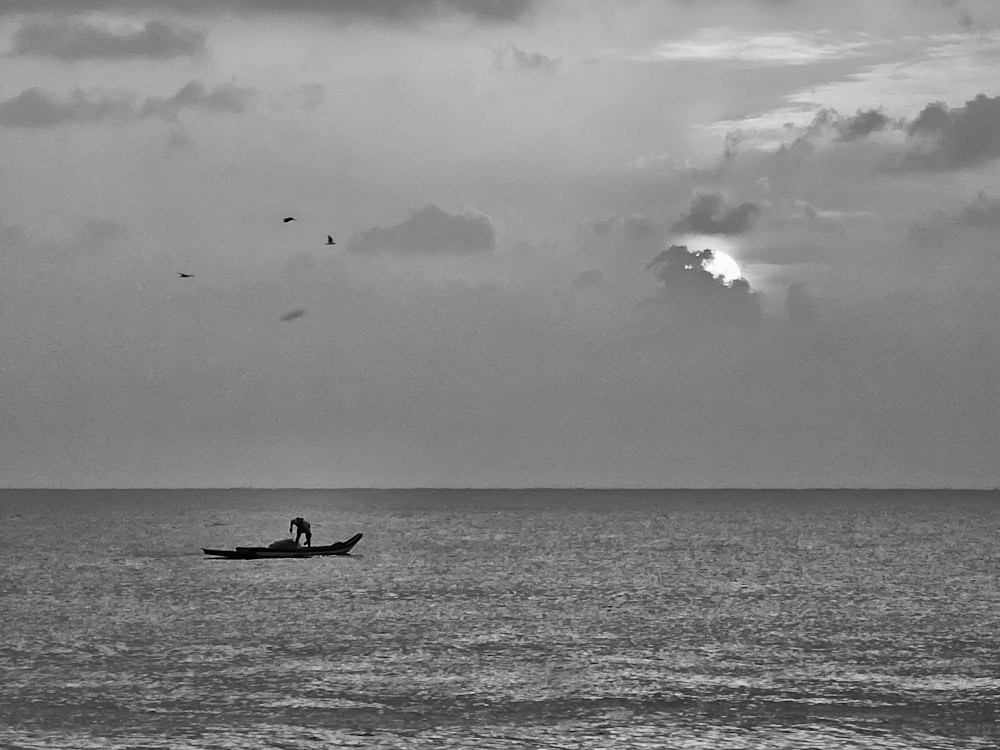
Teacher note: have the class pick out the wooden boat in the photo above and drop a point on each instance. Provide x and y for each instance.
(259, 553)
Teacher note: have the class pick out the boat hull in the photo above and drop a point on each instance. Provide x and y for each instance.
(262, 553)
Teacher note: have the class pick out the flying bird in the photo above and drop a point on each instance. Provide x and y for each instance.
(293, 315)
(287, 219)
(185, 275)
(329, 240)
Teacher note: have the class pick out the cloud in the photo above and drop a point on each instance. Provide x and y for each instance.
(34, 108)
(938, 139)
(983, 213)
(72, 39)
(227, 98)
(829, 124)
(945, 228)
(692, 293)
(430, 230)
(710, 214)
(862, 124)
(955, 138)
(515, 58)
(488, 11)
(958, 243)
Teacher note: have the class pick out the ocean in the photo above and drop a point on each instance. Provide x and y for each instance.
(501, 619)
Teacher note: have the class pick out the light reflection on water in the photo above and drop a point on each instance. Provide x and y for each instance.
(584, 620)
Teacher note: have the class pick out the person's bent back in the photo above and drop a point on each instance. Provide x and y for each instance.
(302, 528)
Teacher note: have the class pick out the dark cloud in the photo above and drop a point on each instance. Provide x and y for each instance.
(709, 213)
(33, 108)
(954, 138)
(931, 121)
(827, 127)
(515, 58)
(431, 230)
(797, 151)
(73, 39)
(862, 124)
(828, 123)
(227, 98)
(489, 11)
(939, 138)
(691, 292)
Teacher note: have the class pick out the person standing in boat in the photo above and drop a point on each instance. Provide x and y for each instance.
(302, 528)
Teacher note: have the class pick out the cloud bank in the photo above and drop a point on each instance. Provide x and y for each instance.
(938, 139)
(429, 231)
(710, 213)
(34, 108)
(71, 39)
(493, 11)
(956, 138)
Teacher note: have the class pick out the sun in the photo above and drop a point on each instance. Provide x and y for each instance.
(723, 265)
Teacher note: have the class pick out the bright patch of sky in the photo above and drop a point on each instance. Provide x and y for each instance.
(949, 68)
(724, 44)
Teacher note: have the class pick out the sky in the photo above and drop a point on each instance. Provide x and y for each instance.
(531, 202)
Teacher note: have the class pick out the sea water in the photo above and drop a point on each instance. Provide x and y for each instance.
(499, 619)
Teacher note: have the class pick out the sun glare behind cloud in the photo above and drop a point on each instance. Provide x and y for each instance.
(723, 264)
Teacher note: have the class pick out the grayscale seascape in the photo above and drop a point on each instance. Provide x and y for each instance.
(499, 244)
(502, 619)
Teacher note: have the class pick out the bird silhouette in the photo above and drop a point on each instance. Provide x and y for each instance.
(185, 275)
(287, 219)
(329, 240)
(293, 315)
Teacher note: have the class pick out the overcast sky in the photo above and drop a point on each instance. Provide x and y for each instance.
(520, 192)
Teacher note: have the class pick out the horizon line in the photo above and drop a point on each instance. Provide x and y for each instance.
(501, 488)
